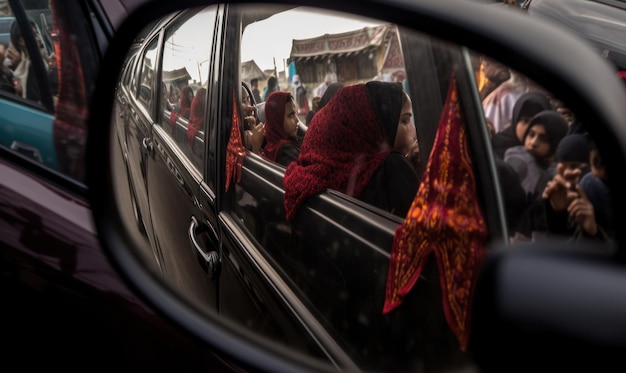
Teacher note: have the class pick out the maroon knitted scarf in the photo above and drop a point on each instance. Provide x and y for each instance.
(274, 133)
(344, 146)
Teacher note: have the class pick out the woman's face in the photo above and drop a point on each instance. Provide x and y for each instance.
(246, 105)
(536, 142)
(290, 121)
(406, 136)
(521, 126)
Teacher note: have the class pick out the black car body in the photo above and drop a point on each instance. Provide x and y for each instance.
(601, 23)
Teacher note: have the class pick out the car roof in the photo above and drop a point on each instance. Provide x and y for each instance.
(600, 22)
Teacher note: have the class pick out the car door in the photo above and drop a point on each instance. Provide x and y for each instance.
(137, 120)
(182, 204)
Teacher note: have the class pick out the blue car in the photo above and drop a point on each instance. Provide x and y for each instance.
(27, 110)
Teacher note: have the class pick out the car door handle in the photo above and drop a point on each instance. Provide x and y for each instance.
(147, 144)
(210, 261)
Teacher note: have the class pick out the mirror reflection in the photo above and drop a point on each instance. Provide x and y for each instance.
(324, 180)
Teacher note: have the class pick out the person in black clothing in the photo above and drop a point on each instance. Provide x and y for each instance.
(525, 108)
(256, 93)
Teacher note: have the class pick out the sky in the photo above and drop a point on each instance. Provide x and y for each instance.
(262, 43)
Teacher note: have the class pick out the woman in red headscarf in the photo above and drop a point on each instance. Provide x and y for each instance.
(281, 128)
(360, 144)
(196, 116)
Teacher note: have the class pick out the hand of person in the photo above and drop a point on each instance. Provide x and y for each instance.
(413, 155)
(581, 210)
(560, 192)
(14, 56)
(257, 137)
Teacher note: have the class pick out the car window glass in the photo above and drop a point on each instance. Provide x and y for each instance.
(333, 254)
(186, 55)
(147, 76)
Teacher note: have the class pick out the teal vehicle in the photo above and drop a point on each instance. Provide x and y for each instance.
(27, 99)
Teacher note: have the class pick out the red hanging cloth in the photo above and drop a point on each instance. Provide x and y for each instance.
(445, 219)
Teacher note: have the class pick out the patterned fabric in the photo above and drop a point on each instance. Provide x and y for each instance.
(235, 151)
(70, 121)
(344, 146)
(274, 133)
(196, 115)
(445, 219)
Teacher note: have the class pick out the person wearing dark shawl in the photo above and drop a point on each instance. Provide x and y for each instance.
(196, 116)
(281, 128)
(358, 144)
(272, 86)
(328, 94)
(525, 108)
(534, 161)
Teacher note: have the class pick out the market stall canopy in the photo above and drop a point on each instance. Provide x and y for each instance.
(340, 44)
(250, 70)
(175, 75)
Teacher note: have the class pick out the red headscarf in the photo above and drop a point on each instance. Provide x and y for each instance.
(274, 119)
(196, 116)
(344, 146)
(184, 108)
(445, 219)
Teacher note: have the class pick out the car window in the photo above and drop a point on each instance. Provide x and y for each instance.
(335, 250)
(147, 76)
(184, 82)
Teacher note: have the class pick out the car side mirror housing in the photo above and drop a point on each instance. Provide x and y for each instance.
(514, 285)
(561, 306)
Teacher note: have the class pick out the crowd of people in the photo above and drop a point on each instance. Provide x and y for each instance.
(546, 160)
(552, 177)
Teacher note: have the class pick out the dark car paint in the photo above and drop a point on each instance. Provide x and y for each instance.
(64, 305)
(601, 22)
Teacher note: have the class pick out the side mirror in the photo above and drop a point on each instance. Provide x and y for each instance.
(169, 187)
(562, 306)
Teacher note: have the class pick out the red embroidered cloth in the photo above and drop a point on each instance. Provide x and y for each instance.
(445, 219)
(235, 151)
